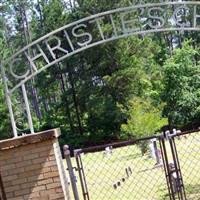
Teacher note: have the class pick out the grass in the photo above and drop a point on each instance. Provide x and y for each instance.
(146, 182)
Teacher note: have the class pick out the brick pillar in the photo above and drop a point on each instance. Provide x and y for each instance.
(31, 167)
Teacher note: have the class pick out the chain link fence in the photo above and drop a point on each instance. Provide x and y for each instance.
(188, 149)
(131, 171)
(137, 170)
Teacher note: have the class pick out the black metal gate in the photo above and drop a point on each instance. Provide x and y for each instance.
(188, 151)
(172, 169)
(183, 175)
(129, 170)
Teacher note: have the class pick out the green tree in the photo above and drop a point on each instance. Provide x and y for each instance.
(81, 94)
(5, 126)
(182, 87)
(144, 119)
(137, 72)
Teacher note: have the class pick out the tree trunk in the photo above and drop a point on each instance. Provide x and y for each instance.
(75, 103)
(63, 88)
(28, 39)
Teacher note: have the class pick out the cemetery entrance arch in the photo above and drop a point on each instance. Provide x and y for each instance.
(76, 37)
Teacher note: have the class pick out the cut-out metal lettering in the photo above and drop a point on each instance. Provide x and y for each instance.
(56, 47)
(81, 35)
(77, 36)
(129, 25)
(178, 16)
(196, 16)
(156, 21)
(134, 20)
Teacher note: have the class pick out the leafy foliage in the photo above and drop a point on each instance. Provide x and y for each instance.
(182, 87)
(107, 92)
(144, 119)
(5, 127)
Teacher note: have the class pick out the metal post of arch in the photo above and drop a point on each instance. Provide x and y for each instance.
(9, 103)
(133, 20)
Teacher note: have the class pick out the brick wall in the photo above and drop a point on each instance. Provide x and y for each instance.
(33, 170)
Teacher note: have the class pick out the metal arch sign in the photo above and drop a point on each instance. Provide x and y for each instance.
(77, 36)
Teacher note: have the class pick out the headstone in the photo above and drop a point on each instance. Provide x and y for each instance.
(152, 148)
(130, 170)
(108, 151)
(123, 180)
(155, 152)
(115, 186)
(118, 183)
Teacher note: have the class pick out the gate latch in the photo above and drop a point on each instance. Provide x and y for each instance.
(169, 135)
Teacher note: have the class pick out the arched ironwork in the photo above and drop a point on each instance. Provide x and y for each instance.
(76, 37)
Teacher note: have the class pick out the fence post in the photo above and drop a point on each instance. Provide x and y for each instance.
(71, 172)
(81, 175)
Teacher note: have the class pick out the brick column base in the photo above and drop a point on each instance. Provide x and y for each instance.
(31, 168)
